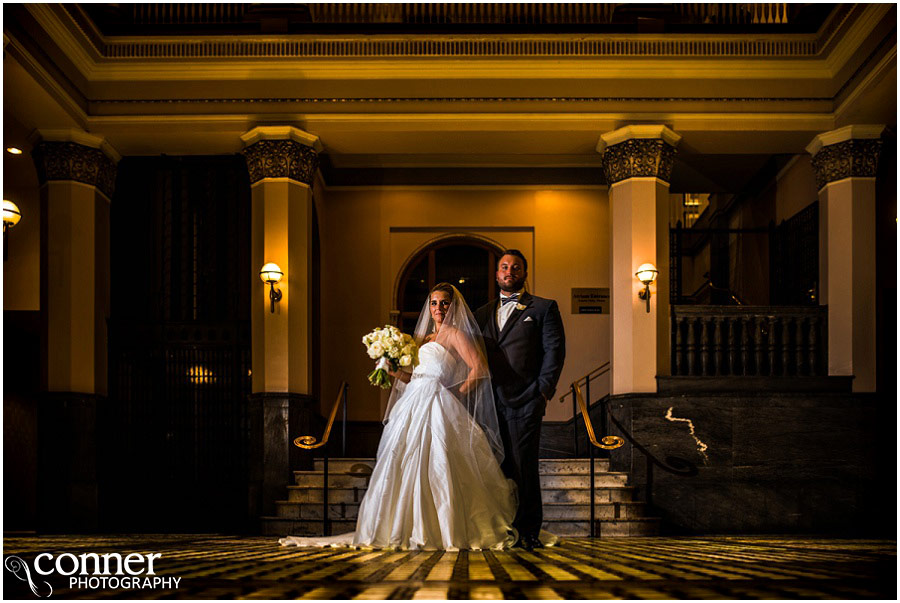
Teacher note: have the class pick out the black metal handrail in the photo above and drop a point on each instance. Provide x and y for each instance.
(308, 442)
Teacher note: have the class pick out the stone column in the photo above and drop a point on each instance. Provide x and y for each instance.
(77, 173)
(846, 161)
(637, 161)
(282, 162)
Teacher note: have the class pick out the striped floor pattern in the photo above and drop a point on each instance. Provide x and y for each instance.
(733, 567)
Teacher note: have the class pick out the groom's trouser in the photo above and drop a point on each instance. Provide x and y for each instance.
(520, 430)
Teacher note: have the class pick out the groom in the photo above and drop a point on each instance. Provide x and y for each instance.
(526, 347)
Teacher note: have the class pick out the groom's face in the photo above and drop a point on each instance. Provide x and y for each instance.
(510, 273)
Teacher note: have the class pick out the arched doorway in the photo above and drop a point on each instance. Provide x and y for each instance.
(467, 262)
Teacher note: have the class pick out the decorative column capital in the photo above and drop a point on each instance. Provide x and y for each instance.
(281, 152)
(851, 151)
(75, 155)
(638, 151)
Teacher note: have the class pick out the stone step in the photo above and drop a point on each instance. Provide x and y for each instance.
(582, 496)
(345, 465)
(307, 494)
(604, 494)
(604, 528)
(559, 481)
(570, 512)
(279, 526)
(313, 479)
(552, 511)
(336, 511)
(547, 466)
(572, 466)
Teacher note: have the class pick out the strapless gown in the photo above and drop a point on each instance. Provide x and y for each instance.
(432, 487)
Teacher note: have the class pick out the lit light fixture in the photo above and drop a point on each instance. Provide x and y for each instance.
(11, 217)
(646, 274)
(200, 375)
(271, 274)
(462, 281)
(14, 150)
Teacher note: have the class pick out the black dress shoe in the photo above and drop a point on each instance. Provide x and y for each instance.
(532, 542)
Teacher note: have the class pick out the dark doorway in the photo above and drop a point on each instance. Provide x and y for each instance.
(467, 263)
(173, 431)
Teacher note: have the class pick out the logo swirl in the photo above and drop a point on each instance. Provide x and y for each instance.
(21, 571)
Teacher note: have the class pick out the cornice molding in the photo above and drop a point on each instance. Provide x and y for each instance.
(847, 133)
(638, 131)
(281, 133)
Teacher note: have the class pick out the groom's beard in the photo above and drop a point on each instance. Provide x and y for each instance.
(511, 287)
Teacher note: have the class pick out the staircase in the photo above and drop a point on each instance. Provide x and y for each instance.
(565, 486)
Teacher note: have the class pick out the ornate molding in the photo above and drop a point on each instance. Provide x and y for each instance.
(281, 159)
(851, 158)
(64, 160)
(638, 157)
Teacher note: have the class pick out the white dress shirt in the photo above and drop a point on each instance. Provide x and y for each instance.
(504, 311)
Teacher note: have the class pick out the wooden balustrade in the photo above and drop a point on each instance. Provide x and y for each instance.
(749, 340)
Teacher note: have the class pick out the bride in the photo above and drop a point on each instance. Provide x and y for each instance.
(437, 482)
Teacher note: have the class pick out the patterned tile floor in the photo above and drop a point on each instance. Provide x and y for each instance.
(734, 567)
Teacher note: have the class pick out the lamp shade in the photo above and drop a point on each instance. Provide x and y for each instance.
(646, 273)
(270, 273)
(11, 213)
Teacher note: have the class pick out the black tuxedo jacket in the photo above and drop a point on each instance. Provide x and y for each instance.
(526, 357)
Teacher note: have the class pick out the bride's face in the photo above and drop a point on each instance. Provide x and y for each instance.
(439, 305)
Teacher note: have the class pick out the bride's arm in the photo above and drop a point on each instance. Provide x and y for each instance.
(400, 374)
(477, 365)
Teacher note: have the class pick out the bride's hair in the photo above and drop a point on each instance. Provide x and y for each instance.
(445, 287)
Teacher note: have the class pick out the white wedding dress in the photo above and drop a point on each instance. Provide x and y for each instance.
(434, 486)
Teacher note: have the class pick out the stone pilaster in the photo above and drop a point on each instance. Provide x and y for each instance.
(282, 162)
(637, 162)
(77, 173)
(846, 162)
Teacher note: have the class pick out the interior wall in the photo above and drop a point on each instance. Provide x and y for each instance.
(795, 188)
(367, 236)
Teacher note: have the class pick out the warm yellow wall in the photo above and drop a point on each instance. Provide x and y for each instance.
(21, 285)
(796, 188)
(568, 235)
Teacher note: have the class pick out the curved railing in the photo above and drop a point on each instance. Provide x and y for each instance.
(308, 442)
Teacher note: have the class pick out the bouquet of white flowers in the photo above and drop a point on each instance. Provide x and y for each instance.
(392, 349)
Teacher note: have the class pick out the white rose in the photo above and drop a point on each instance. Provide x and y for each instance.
(396, 336)
(405, 360)
(376, 350)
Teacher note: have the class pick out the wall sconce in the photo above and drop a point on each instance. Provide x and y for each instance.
(11, 217)
(271, 274)
(646, 274)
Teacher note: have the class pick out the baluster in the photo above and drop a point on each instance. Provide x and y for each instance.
(813, 345)
(798, 344)
(745, 345)
(732, 346)
(704, 345)
(717, 337)
(691, 346)
(757, 344)
(679, 344)
(770, 340)
(785, 345)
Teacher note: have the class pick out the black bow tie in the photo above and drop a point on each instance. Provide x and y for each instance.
(512, 298)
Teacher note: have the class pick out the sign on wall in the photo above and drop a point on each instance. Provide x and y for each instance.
(590, 300)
